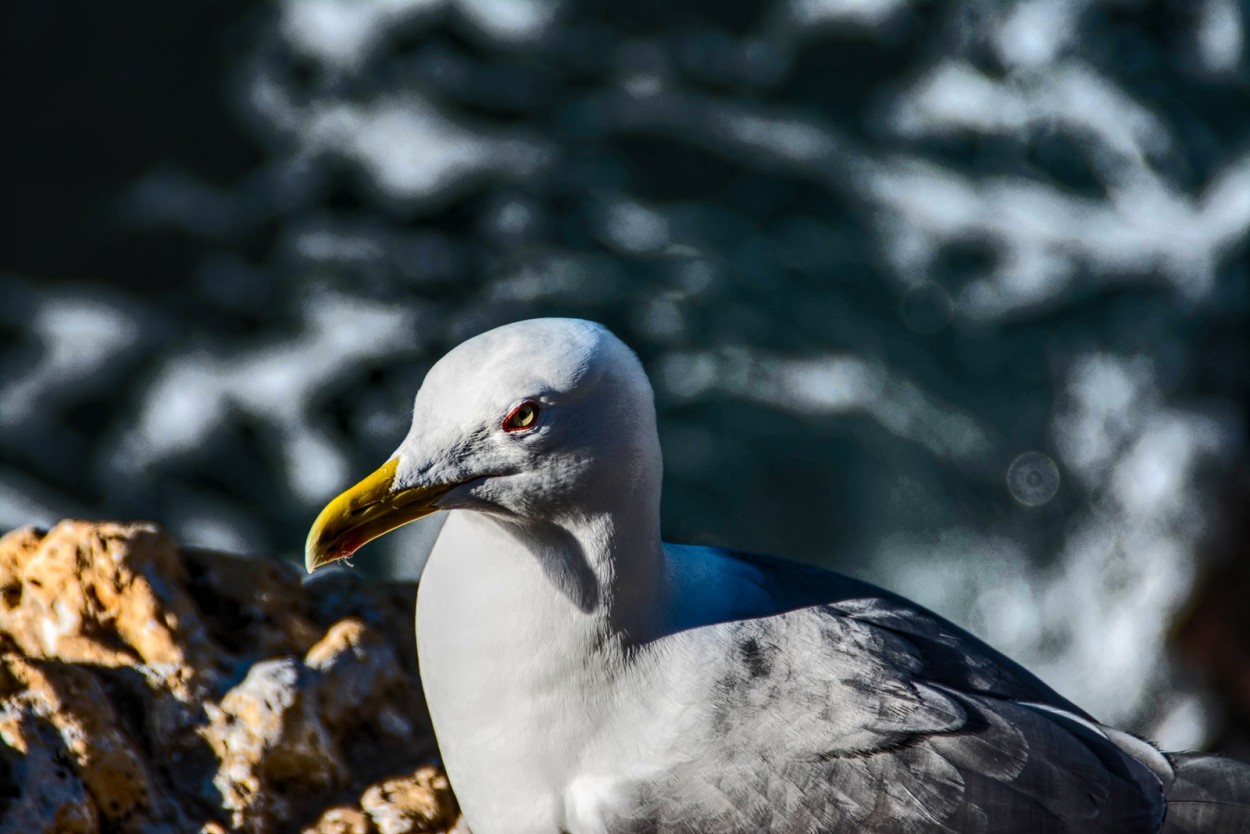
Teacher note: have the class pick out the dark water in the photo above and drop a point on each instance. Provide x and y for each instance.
(950, 295)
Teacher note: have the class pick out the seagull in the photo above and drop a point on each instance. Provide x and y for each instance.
(585, 677)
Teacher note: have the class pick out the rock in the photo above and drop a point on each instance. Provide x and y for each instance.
(144, 688)
(44, 794)
(342, 820)
(105, 758)
(410, 804)
(266, 731)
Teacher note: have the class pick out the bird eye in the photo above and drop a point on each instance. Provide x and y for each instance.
(523, 417)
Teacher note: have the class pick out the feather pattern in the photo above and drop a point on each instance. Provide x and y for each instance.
(872, 715)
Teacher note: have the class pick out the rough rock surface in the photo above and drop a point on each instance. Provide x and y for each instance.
(147, 688)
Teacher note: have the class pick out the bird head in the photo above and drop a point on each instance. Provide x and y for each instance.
(534, 420)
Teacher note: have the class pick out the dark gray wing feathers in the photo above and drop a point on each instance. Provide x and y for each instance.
(1208, 794)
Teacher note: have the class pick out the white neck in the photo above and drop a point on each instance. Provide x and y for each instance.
(597, 577)
(605, 570)
(587, 589)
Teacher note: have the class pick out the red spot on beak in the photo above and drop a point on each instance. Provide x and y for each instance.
(349, 545)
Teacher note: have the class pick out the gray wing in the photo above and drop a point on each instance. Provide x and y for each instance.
(868, 714)
(1207, 794)
(766, 585)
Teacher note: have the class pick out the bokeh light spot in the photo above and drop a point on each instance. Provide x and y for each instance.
(1033, 479)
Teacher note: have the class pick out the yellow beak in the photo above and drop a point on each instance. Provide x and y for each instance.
(369, 509)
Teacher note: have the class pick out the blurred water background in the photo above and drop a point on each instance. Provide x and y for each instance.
(949, 295)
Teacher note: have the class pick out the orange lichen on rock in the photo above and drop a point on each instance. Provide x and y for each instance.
(145, 688)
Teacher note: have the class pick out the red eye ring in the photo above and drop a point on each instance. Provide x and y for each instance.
(522, 418)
